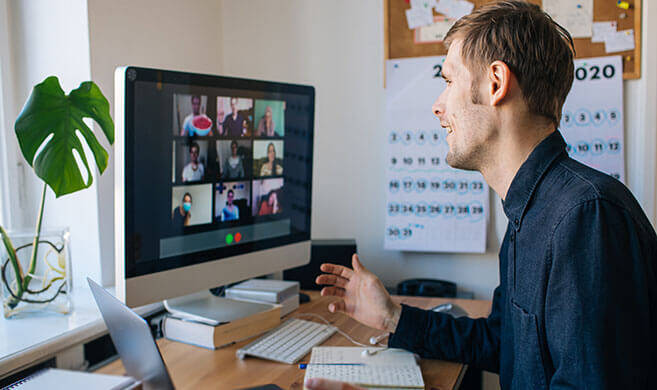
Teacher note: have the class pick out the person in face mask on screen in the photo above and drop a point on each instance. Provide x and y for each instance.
(182, 214)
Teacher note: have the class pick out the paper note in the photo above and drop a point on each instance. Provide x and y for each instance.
(430, 206)
(388, 367)
(619, 41)
(576, 16)
(435, 32)
(602, 29)
(429, 4)
(418, 17)
(592, 119)
(455, 9)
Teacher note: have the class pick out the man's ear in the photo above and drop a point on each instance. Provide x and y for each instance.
(499, 77)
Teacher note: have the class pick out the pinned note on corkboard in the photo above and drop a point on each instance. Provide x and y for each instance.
(624, 16)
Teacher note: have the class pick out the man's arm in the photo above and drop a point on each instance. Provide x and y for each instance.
(430, 334)
(440, 336)
(597, 305)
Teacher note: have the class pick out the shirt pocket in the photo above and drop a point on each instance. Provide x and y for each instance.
(528, 362)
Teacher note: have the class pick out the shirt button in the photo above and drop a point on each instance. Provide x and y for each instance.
(517, 221)
(513, 236)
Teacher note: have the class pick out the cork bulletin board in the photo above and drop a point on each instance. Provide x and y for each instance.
(399, 41)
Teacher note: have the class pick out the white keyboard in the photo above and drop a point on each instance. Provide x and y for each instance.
(289, 342)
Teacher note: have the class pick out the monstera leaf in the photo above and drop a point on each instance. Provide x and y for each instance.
(56, 118)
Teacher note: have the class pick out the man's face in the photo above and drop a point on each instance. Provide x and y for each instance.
(233, 104)
(230, 197)
(193, 153)
(468, 124)
(196, 105)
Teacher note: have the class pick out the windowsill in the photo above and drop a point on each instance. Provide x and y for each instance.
(26, 341)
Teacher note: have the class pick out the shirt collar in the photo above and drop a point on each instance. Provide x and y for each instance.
(529, 175)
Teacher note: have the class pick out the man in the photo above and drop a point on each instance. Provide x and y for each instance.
(230, 212)
(577, 302)
(233, 124)
(188, 127)
(194, 170)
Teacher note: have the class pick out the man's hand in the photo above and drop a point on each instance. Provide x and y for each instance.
(325, 384)
(363, 296)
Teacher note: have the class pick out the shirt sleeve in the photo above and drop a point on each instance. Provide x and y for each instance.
(597, 311)
(440, 336)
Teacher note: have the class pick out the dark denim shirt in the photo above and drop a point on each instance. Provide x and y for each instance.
(576, 306)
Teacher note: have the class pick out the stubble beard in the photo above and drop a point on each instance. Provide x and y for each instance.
(472, 153)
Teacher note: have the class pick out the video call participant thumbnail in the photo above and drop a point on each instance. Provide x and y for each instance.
(234, 157)
(231, 201)
(189, 161)
(191, 205)
(234, 116)
(270, 116)
(181, 214)
(266, 160)
(194, 170)
(195, 122)
(267, 196)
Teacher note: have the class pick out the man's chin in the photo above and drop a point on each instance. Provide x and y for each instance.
(459, 162)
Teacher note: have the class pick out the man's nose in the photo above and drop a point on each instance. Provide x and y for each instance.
(437, 108)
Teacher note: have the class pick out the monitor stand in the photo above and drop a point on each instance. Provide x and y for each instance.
(212, 310)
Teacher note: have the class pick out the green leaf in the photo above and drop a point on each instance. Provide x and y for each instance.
(48, 111)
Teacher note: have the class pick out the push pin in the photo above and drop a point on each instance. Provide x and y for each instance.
(623, 5)
(628, 58)
(623, 15)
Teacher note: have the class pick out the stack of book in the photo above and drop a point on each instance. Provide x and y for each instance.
(280, 292)
(253, 319)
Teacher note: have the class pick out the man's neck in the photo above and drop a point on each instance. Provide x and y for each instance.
(513, 150)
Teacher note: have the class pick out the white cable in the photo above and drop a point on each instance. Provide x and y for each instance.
(378, 338)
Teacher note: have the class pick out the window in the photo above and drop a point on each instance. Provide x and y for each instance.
(4, 185)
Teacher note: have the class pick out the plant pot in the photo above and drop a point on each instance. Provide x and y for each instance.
(47, 289)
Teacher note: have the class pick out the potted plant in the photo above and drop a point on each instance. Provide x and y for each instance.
(51, 131)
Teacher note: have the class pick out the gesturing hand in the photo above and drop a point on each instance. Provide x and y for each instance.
(363, 296)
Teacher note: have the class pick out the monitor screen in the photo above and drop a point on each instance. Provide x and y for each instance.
(214, 167)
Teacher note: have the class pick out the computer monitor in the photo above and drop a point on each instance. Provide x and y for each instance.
(213, 181)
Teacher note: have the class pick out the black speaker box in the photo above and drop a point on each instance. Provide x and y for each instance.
(323, 251)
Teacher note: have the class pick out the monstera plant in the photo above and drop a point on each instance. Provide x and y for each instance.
(50, 131)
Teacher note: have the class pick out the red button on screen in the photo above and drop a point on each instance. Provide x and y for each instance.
(238, 237)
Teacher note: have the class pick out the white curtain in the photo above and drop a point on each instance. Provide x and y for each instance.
(4, 181)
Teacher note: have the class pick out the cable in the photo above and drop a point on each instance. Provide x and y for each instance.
(377, 338)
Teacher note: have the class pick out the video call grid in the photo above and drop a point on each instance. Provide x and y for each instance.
(215, 135)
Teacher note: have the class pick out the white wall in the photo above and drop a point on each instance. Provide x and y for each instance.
(175, 35)
(641, 118)
(58, 46)
(337, 46)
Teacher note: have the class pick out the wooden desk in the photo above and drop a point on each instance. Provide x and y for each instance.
(198, 368)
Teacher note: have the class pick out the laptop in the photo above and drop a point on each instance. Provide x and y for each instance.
(134, 341)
